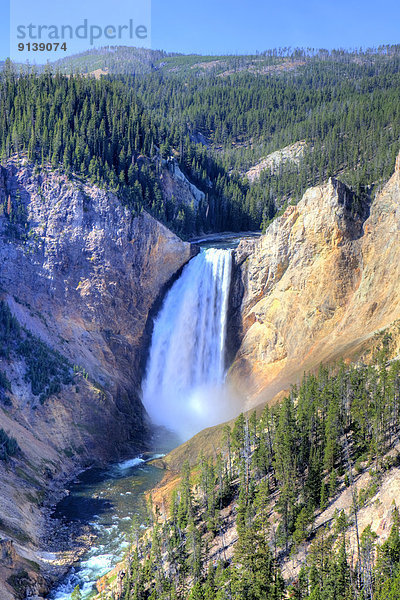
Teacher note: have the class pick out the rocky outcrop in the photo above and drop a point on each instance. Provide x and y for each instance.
(318, 286)
(292, 154)
(82, 273)
(178, 190)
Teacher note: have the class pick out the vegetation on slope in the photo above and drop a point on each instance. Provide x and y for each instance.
(114, 59)
(289, 462)
(46, 369)
(8, 445)
(119, 131)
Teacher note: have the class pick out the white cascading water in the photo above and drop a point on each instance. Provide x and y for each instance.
(183, 388)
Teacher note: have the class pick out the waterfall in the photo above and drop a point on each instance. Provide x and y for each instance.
(183, 388)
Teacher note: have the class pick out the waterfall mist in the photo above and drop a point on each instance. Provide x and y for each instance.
(183, 388)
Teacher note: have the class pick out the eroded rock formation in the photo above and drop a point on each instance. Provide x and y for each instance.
(318, 286)
(82, 273)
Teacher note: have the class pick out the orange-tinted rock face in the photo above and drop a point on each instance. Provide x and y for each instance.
(318, 285)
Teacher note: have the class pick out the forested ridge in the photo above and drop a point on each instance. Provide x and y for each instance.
(344, 106)
(291, 462)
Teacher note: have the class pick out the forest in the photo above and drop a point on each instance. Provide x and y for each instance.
(46, 369)
(118, 131)
(291, 462)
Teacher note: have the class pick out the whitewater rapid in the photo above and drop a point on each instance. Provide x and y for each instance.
(106, 499)
(183, 388)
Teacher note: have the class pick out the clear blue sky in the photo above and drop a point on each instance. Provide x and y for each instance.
(222, 26)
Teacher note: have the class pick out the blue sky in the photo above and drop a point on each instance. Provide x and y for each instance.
(221, 26)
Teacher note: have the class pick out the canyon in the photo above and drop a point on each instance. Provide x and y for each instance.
(72, 274)
(320, 286)
(86, 276)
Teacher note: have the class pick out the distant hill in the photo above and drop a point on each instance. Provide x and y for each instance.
(121, 60)
(113, 60)
(289, 119)
(126, 60)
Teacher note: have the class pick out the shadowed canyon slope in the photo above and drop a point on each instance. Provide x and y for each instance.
(321, 282)
(81, 273)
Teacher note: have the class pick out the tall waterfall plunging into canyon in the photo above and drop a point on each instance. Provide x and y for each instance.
(183, 388)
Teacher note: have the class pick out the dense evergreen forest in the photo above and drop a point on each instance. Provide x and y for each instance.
(216, 124)
(291, 462)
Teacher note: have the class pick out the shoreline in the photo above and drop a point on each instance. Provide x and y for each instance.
(61, 544)
(75, 538)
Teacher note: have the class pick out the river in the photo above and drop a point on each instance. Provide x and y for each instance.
(107, 500)
(188, 387)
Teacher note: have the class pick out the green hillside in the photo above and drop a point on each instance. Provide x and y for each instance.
(217, 116)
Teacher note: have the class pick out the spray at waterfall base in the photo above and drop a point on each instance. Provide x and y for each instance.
(184, 386)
